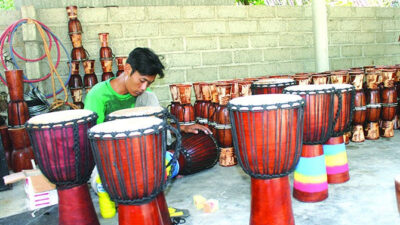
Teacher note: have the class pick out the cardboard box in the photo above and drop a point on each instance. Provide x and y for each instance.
(40, 192)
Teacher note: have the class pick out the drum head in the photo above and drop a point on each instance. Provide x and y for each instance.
(274, 82)
(61, 117)
(310, 89)
(266, 101)
(128, 127)
(135, 112)
(343, 87)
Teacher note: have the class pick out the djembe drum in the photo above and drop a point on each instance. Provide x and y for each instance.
(271, 86)
(302, 78)
(310, 177)
(62, 151)
(185, 110)
(90, 78)
(389, 102)
(267, 135)
(337, 167)
(244, 88)
(360, 106)
(121, 61)
(371, 130)
(175, 99)
(320, 78)
(223, 126)
(213, 107)
(130, 156)
(200, 105)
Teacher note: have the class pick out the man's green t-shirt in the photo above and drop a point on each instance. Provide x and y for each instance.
(103, 100)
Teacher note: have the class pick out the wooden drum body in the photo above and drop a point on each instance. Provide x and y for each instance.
(130, 155)
(271, 86)
(267, 138)
(61, 148)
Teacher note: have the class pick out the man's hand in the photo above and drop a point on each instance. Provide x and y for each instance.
(195, 129)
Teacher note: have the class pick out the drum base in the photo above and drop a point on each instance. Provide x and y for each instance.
(21, 159)
(227, 157)
(271, 202)
(337, 167)
(152, 213)
(371, 131)
(387, 129)
(310, 178)
(358, 134)
(75, 207)
(346, 137)
(397, 190)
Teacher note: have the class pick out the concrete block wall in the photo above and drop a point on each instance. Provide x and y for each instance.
(207, 43)
(363, 36)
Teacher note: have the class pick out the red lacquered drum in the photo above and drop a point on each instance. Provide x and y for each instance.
(130, 157)
(185, 92)
(72, 11)
(387, 129)
(185, 114)
(302, 78)
(18, 113)
(6, 141)
(373, 112)
(74, 67)
(199, 103)
(89, 81)
(388, 111)
(371, 130)
(143, 111)
(105, 51)
(271, 86)
(389, 95)
(357, 79)
(345, 117)
(61, 147)
(74, 26)
(310, 177)
(267, 138)
(175, 99)
(388, 77)
(106, 76)
(121, 61)
(15, 84)
(75, 81)
(88, 66)
(373, 80)
(360, 109)
(22, 153)
(106, 65)
(198, 152)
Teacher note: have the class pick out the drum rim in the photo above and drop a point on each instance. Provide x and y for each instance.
(157, 125)
(32, 123)
(282, 83)
(320, 89)
(296, 103)
(110, 116)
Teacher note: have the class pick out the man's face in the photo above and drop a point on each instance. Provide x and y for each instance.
(137, 83)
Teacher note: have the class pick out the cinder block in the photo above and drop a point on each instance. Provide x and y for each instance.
(386, 61)
(342, 38)
(201, 43)
(217, 58)
(30, 33)
(388, 25)
(382, 12)
(364, 38)
(248, 56)
(202, 74)
(258, 70)
(397, 12)
(92, 15)
(162, 92)
(291, 39)
(261, 11)
(308, 11)
(371, 25)
(123, 14)
(303, 53)
(183, 59)
(176, 28)
(172, 76)
(300, 25)
(273, 25)
(163, 12)
(133, 30)
(198, 12)
(290, 11)
(352, 50)
(340, 12)
(309, 66)
(233, 72)
(350, 25)
(334, 51)
(266, 40)
(91, 32)
(392, 49)
(234, 42)
(232, 11)
(167, 44)
(53, 16)
(290, 67)
(277, 54)
(363, 61)
(340, 64)
(373, 50)
(242, 26)
(209, 27)
(387, 37)
(122, 47)
(365, 12)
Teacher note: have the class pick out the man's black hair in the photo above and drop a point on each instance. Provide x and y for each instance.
(146, 62)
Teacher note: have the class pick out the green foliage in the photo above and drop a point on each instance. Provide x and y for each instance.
(6, 4)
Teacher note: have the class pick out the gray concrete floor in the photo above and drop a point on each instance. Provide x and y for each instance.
(368, 198)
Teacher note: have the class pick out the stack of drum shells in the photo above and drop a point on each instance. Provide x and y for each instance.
(18, 114)
(106, 57)
(121, 61)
